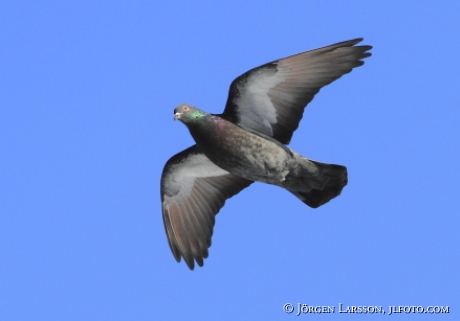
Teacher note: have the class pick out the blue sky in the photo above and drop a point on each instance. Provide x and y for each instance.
(87, 93)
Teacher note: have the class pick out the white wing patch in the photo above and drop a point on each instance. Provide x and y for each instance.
(182, 176)
(256, 108)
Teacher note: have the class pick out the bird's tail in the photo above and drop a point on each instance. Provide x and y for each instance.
(321, 185)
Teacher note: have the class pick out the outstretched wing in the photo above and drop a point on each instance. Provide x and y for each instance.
(271, 98)
(193, 190)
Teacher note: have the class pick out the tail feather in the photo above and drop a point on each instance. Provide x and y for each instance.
(335, 178)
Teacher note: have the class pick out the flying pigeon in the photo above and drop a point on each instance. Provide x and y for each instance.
(247, 143)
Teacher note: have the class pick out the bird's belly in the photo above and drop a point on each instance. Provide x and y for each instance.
(253, 158)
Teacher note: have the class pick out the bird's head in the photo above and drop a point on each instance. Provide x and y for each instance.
(187, 113)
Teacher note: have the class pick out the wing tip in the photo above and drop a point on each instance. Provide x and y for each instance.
(352, 43)
(192, 260)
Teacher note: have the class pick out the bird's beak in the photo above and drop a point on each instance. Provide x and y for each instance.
(177, 116)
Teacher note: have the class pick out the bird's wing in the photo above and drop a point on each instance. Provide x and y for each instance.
(271, 98)
(193, 190)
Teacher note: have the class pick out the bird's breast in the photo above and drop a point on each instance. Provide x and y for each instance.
(248, 155)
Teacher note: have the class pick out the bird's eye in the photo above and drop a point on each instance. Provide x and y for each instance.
(185, 108)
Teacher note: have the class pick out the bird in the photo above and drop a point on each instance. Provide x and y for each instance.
(248, 143)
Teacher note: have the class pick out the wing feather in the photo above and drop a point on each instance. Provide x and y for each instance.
(270, 99)
(193, 190)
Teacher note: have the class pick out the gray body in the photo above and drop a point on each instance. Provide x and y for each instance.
(255, 157)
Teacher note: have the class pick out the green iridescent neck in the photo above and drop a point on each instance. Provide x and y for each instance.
(197, 114)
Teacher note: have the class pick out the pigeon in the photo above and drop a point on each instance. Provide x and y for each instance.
(248, 143)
